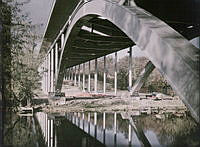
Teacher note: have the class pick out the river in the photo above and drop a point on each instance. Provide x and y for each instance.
(92, 129)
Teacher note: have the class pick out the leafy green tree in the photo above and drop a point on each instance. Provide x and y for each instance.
(20, 61)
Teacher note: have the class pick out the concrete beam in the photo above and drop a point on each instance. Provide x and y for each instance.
(149, 67)
(174, 56)
(86, 35)
(104, 29)
(101, 45)
(101, 49)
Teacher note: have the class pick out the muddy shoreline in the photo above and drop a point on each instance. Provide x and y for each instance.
(77, 101)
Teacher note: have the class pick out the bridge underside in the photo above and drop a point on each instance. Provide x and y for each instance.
(94, 39)
(101, 27)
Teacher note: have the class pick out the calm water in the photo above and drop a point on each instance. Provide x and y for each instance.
(91, 129)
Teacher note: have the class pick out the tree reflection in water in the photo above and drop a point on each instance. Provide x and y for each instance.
(173, 131)
(21, 131)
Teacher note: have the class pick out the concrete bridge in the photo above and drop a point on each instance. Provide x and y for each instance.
(81, 31)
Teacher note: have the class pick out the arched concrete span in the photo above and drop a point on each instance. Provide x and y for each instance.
(170, 52)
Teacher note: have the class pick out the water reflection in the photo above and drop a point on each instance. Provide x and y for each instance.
(23, 131)
(92, 129)
(108, 129)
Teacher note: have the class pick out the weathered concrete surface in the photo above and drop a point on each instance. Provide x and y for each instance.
(172, 55)
(170, 52)
(149, 67)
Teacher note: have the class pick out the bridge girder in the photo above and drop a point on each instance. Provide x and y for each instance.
(170, 52)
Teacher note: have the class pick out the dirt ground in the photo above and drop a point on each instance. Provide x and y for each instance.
(76, 101)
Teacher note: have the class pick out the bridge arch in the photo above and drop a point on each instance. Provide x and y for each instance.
(173, 55)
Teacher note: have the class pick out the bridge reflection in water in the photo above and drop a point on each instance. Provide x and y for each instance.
(90, 129)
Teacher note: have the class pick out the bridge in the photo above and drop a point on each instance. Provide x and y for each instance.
(85, 30)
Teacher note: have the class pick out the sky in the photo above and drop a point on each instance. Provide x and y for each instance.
(39, 12)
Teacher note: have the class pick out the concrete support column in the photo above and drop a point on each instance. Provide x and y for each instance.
(68, 70)
(71, 74)
(130, 68)
(95, 125)
(95, 77)
(115, 129)
(75, 76)
(55, 138)
(62, 40)
(104, 128)
(65, 76)
(89, 76)
(76, 119)
(83, 120)
(104, 120)
(73, 118)
(89, 123)
(115, 123)
(83, 77)
(49, 72)
(48, 130)
(56, 61)
(115, 82)
(79, 75)
(43, 76)
(41, 69)
(79, 119)
(149, 67)
(46, 74)
(67, 73)
(51, 139)
(44, 126)
(95, 118)
(104, 76)
(129, 134)
(52, 70)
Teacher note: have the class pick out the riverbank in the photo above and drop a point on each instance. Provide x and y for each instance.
(77, 101)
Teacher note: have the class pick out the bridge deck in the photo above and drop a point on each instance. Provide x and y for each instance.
(172, 54)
